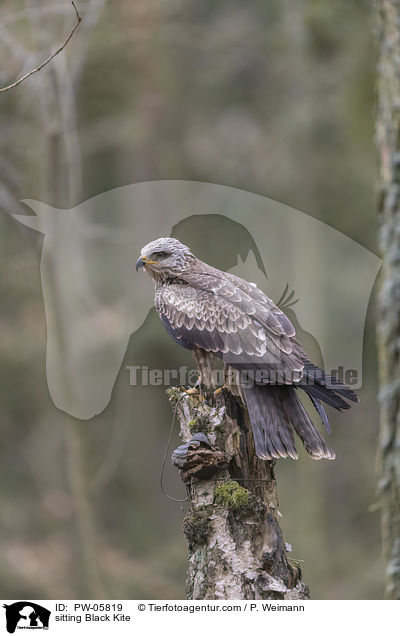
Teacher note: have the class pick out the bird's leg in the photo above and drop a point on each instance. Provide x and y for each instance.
(196, 388)
(204, 364)
(231, 382)
(226, 384)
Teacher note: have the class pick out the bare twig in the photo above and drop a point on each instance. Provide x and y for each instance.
(52, 56)
(37, 10)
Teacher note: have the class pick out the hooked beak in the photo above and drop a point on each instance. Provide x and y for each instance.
(139, 263)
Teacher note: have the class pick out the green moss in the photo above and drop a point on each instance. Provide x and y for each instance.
(193, 425)
(196, 526)
(231, 495)
(199, 425)
(174, 393)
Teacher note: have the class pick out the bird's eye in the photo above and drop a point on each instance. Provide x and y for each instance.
(161, 254)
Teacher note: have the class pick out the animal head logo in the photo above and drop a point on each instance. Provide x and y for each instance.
(26, 614)
(94, 300)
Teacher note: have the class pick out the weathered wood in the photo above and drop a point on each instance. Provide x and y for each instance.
(236, 547)
(388, 142)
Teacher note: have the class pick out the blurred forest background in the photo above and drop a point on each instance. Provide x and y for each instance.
(275, 97)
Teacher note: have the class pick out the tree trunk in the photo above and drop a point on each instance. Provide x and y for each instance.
(236, 547)
(388, 140)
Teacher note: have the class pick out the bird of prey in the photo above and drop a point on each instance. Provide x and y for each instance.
(208, 310)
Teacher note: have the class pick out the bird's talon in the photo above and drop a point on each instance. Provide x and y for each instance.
(192, 391)
(220, 389)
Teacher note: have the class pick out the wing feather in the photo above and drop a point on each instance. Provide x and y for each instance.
(198, 317)
(245, 295)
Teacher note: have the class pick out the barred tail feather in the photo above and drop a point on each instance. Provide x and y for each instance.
(321, 412)
(313, 441)
(273, 435)
(274, 412)
(326, 387)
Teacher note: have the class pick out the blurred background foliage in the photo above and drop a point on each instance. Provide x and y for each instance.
(275, 97)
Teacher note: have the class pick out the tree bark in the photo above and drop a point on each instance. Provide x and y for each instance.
(388, 141)
(236, 547)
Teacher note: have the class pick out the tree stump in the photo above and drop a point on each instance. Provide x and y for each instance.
(236, 547)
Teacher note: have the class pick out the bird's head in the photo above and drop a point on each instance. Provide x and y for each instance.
(164, 258)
